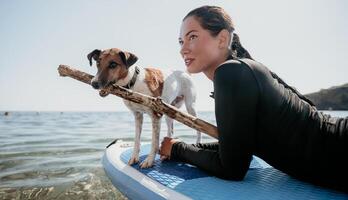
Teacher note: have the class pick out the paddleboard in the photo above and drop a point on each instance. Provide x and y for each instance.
(180, 181)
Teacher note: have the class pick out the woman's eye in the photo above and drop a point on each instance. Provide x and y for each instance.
(113, 65)
(192, 37)
(181, 42)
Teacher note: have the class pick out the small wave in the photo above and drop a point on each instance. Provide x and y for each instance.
(92, 184)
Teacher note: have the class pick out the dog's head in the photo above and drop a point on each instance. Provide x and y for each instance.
(112, 66)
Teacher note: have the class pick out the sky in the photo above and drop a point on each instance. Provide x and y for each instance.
(304, 41)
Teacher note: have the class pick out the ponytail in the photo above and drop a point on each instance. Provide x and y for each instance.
(237, 50)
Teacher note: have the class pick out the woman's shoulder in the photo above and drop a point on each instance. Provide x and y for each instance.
(243, 66)
(233, 68)
(230, 62)
(240, 62)
(233, 72)
(236, 76)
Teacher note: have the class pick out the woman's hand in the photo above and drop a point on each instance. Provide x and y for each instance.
(166, 147)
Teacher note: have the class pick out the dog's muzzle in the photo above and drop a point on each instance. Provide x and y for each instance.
(99, 85)
(95, 84)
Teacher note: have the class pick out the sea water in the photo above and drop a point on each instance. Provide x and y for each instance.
(57, 155)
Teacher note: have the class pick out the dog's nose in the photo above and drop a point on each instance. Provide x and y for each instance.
(95, 85)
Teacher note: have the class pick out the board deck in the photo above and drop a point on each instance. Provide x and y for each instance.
(176, 180)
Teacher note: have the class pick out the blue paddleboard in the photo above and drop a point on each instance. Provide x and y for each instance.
(180, 181)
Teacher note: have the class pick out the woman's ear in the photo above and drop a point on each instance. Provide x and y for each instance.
(224, 39)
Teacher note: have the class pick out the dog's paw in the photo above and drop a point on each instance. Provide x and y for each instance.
(148, 162)
(133, 160)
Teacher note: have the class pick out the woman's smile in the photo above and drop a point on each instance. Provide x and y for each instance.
(188, 61)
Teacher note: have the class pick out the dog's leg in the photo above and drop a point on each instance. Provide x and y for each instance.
(169, 122)
(156, 126)
(136, 149)
(190, 106)
(177, 103)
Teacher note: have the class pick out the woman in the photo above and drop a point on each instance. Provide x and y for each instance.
(256, 112)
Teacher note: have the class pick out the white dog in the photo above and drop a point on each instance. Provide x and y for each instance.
(116, 67)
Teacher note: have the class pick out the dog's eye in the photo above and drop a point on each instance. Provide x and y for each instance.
(113, 65)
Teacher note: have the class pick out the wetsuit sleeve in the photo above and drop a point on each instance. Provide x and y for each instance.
(236, 96)
(235, 106)
(213, 146)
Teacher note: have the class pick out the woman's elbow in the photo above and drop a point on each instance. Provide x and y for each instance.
(237, 175)
(235, 169)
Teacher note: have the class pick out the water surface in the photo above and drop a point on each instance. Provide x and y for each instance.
(57, 155)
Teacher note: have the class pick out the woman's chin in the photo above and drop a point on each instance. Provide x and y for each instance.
(189, 71)
(192, 70)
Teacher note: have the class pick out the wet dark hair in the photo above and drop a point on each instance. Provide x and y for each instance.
(215, 19)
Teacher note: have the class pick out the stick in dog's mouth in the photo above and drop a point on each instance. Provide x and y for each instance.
(103, 92)
(106, 90)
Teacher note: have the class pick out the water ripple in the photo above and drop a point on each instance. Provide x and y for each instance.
(56, 155)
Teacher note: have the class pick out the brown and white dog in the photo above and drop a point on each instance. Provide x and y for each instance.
(117, 67)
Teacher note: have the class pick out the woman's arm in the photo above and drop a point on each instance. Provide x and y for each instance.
(236, 96)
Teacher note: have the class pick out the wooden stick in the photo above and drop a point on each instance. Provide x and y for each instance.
(155, 104)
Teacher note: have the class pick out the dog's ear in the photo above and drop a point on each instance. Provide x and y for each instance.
(94, 54)
(128, 58)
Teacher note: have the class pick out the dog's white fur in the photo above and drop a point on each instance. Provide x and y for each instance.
(177, 86)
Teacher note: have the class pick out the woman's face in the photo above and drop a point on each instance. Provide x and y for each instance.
(200, 50)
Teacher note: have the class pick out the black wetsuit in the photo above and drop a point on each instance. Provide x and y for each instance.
(258, 114)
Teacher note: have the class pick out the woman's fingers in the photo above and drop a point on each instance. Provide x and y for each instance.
(164, 158)
(166, 147)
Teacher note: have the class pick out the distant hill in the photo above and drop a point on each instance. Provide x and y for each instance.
(334, 98)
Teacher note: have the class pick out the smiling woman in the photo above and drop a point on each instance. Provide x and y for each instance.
(257, 113)
(57, 155)
(200, 50)
(204, 50)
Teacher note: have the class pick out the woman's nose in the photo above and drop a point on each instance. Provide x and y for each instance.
(184, 50)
